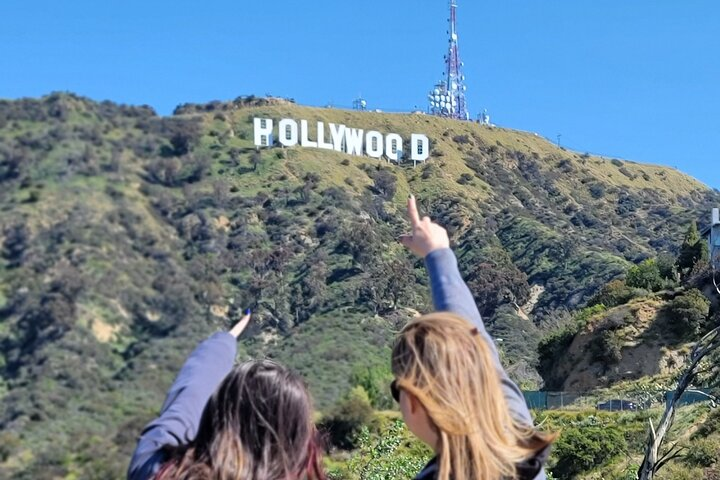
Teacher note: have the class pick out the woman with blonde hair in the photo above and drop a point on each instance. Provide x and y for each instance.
(453, 392)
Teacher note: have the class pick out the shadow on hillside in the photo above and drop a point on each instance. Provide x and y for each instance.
(651, 354)
(660, 331)
(341, 274)
(243, 170)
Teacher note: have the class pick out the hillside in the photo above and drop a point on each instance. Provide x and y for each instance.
(126, 237)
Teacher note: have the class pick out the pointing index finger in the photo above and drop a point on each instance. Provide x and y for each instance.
(412, 211)
(238, 328)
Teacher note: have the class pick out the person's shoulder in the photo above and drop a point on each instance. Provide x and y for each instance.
(429, 472)
(532, 467)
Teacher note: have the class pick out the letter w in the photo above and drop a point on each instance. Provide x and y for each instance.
(354, 141)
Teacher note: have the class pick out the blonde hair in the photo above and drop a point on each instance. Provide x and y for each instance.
(442, 360)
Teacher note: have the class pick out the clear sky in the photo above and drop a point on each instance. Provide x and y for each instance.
(636, 79)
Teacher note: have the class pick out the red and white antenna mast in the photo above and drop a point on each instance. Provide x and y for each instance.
(447, 99)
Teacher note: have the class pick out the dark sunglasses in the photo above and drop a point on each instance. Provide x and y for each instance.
(395, 391)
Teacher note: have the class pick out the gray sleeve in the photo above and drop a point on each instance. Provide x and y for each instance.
(180, 415)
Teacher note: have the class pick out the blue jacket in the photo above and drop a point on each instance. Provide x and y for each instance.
(180, 415)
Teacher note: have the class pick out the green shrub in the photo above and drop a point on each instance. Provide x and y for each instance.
(597, 190)
(392, 453)
(348, 417)
(709, 426)
(462, 139)
(582, 316)
(627, 173)
(680, 471)
(375, 381)
(579, 449)
(646, 275)
(613, 294)
(465, 179)
(689, 312)
(607, 347)
(9, 443)
(702, 453)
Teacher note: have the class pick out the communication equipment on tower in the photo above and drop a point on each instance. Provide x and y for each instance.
(447, 99)
(484, 117)
(359, 104)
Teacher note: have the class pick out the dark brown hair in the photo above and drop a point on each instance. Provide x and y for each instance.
(257, 425)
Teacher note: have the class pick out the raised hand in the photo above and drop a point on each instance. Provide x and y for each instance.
(426, 235)
(240, 326)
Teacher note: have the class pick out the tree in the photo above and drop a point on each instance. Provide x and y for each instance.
(692, 250)
(494, 284)
(385, 183)
(11, 163)
(375, 380)
(667, 267)
(311, 291)
(389, 283)
(16, 241)
(689, 312)
(519, 335)
(348, 417)
(654, 459)
(255, 160)
(311, 181)
(221, 192)
(181, 143)
(165, 171)
(358, 239)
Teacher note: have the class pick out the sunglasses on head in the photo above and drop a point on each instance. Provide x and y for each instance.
(395, 391)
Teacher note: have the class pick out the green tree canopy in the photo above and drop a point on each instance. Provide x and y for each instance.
(692, 250)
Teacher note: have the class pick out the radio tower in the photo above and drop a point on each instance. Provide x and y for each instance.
(447, 99)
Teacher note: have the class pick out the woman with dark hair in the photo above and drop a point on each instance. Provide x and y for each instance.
(253, 421)
(453, 392)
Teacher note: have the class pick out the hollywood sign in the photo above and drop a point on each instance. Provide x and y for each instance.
(341, 138)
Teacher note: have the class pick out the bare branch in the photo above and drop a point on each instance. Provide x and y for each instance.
(651, 463)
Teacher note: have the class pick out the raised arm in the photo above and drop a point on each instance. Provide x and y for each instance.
(450, 293)
(180, 415)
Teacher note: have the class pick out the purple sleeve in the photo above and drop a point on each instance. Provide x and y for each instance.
(451, 294)
(180, 415)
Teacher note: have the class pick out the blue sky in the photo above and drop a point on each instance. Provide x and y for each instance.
(637, 79)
